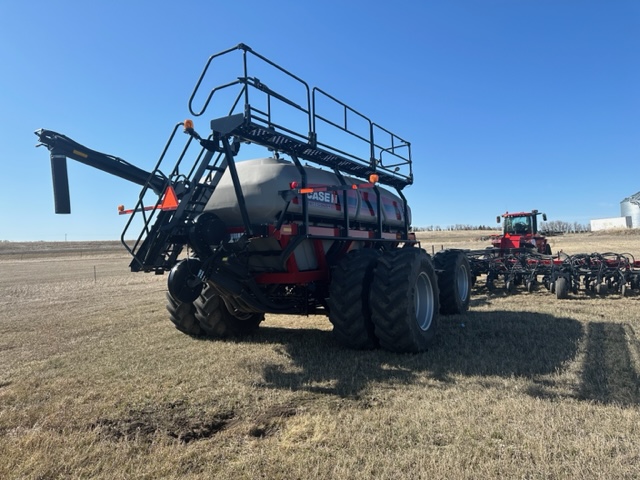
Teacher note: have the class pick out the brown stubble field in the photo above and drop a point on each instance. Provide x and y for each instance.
(96, 383)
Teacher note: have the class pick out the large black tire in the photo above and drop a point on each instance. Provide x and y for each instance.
(562, 288)
(217, 321)
(183, 316)
(454, 281)
(404, 300)
(349, 309)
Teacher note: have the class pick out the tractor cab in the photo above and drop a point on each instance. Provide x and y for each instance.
(520, 225)
(520, 230)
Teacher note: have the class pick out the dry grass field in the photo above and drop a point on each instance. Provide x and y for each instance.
(96, 383)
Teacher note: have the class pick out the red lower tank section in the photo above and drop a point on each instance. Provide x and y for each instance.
(264, 179)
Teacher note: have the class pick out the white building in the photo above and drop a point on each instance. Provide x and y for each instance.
(610, 223)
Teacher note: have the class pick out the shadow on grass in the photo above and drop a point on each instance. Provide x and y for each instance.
(609, 374)
(478, 344)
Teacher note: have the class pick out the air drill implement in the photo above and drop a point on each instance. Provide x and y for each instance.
(316, 227)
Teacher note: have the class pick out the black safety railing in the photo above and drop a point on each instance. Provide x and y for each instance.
(383, 152)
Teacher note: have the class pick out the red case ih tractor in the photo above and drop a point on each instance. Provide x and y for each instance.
(273, 235)
(520, 230)
(516, 255)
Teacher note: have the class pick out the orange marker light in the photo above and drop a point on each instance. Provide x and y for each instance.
(373, 178)
(188, 124)
(121, 208)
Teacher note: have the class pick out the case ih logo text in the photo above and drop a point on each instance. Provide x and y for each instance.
(323, 197)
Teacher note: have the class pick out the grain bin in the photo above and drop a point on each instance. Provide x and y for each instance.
(630, 207)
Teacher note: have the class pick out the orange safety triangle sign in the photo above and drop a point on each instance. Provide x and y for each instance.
(170, 200)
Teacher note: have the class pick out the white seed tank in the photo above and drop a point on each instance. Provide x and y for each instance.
(263, 178)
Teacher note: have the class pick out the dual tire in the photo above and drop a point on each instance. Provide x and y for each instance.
(183, 316)
(405, 300)
(349, 299)
(454, 281)
(209, 316)
(393, 299)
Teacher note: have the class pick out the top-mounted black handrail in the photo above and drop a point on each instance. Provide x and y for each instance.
(249, 81)
(386, 153)
(347, 112)
(400, 161)
(199, 82)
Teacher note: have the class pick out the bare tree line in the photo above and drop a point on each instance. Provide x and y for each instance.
(450, 228)
(555, 226)
(564, 227)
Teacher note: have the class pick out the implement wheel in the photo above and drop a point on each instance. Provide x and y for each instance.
(217, 321)
(562, 288)
(349, 309)
(183, 316)
(510, 286)
(454, 281)
(405, 300)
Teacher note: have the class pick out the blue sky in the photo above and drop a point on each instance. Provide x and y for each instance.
(508, 104)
